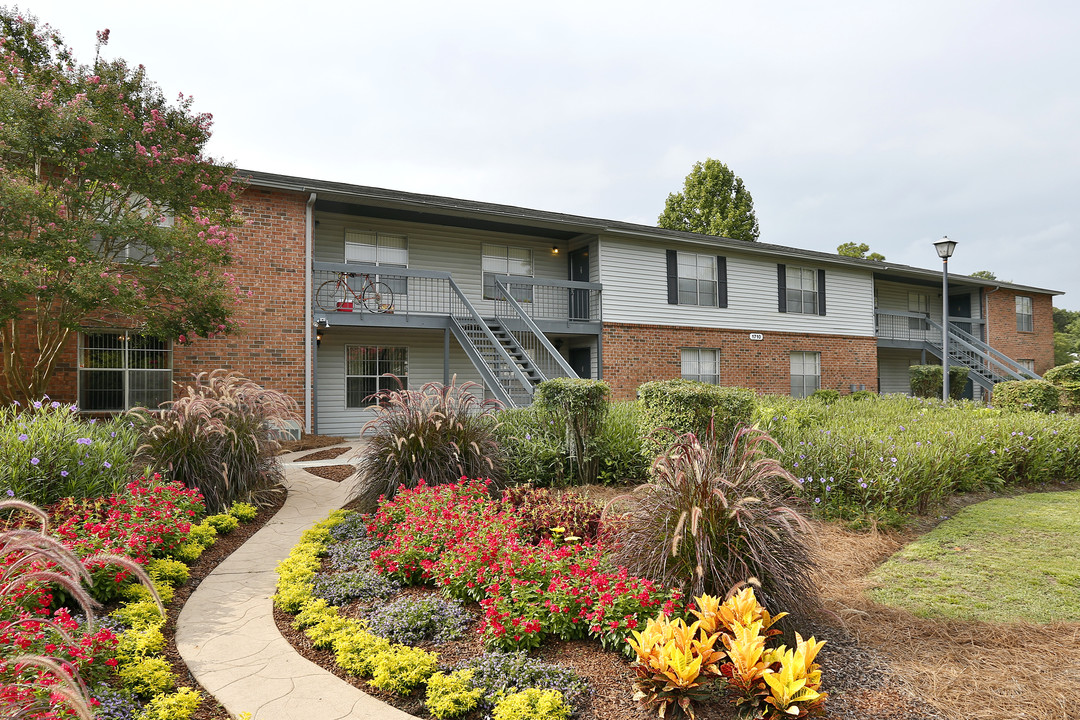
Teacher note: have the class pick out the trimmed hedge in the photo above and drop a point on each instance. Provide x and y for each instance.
(1036, 395)
(676, 407)
(579, 405)
(1066, 378)
(926, 381)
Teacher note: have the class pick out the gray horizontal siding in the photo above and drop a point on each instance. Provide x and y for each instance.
(635, 291)
(446, 249)
(425, 365)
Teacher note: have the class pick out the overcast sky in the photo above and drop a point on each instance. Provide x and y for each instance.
(889, 123)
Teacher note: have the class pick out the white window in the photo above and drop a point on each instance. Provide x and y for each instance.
(507, 260)
(918, 303)
(120, 369)
(701, 364)
(1028, 365)
(697, 279)
(805, 373)
(383, 249)
(802, 290)
(365, 367)
(1025, 320)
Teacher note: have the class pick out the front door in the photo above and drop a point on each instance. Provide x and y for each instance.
(581, 361)
(579, 272)
(960, 306)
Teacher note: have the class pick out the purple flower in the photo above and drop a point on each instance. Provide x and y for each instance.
(83, 441)
(34, 461)
(37, 404)
(862, 485)
(54, 404)
(63, 473)
(10, 493)
(108, 464)
(817, 500)
(23, 437)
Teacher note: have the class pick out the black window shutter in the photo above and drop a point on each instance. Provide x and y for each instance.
(820, 292)
(672, 277)
(721, 281)
(781, 287)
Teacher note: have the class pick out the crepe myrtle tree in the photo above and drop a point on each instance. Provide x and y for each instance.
(111, 215)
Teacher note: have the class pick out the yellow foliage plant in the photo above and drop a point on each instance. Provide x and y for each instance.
(670, 659)
(795, 689)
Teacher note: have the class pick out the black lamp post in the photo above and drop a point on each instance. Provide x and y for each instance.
(945, 248)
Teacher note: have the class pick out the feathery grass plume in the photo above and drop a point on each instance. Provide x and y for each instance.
(30, 558)
(219, 438)
(439, 433)
(714, 517)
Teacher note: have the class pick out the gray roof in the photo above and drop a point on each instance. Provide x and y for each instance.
(509, 218)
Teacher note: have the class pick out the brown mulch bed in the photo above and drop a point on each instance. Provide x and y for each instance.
(209, 708)
(308, 442)
(337, 473)
(859, 679)
(328, 454)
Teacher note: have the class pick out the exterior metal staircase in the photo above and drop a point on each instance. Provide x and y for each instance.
(509, 351)
(986, 366)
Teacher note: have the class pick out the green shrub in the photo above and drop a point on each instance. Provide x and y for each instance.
(139, 615)
(188, 551)
(402, 668)
(579, 407)
(242, 511)
(1066, 378)
(137, 592)
(439, 433)
(863, 395)
(219, 438)
(170, 572)
(180, 705)
(356, 652)
(147, 677)
(1036, 395)
(48, 452)
(926, 381)
(713, 517)
(671, 408)
(137, 644)
(532, 704)
(451, 696)
(619, 445)
(825, 395)
(534, 446)
(223, 523)
(204, 534)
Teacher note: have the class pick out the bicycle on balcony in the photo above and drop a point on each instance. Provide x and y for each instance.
(337, 295)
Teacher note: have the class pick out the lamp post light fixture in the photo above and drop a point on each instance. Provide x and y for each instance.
(945, 248)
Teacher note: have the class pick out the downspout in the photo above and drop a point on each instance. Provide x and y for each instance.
(308, 235)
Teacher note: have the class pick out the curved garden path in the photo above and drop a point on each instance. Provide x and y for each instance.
(226, 631)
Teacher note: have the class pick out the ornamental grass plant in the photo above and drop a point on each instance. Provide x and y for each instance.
(714, 516)
(438, 434)
(219, 438)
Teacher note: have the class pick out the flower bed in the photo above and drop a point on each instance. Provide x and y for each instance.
(118, 657)
(456, 539)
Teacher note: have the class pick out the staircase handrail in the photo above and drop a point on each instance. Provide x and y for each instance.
(985, 356)
(503, 293)
(475, 317)
(1001, 357)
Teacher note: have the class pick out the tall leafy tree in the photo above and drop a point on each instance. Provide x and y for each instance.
(713, 201)
(985, 274)
(859, 250)
(111, 215)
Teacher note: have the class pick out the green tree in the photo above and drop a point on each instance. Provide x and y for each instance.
(713, 201)
(860, 250)
(111, 214)
(1063, 319)
(984, 274)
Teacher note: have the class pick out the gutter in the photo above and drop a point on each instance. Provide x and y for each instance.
(308, 242)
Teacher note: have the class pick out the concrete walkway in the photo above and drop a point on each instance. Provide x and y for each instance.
(226, 631)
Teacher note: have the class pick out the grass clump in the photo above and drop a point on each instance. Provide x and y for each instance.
(219, 438)
(1002, 560)
(439, 434)
(715, 516)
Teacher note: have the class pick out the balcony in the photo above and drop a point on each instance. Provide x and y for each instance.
(423, 299)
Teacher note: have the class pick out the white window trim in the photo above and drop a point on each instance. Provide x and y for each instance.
(526, 295)
(805, 307)
(699, 376)
(1021, 325)
(679, 278)
(380, 381)
(125, 370)
(400, 285)
(804, 392)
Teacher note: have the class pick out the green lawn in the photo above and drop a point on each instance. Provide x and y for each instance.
(1000, 560)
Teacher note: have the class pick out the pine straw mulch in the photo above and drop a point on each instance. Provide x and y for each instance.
(209, 708)
(965, 670)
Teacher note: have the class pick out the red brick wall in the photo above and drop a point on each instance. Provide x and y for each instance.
(270, 262)
(634, 354)
(1003, 336)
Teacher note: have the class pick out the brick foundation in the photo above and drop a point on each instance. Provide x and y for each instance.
(634, 354)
